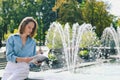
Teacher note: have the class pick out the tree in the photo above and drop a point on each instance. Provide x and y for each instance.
(13, 11)
(70, 12)
(1, 27)
(95, 12)
(1, 34)
(48, 16)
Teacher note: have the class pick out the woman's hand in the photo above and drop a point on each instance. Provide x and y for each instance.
(37, 63)
(26, 59)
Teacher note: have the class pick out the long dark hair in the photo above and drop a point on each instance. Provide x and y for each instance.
(23, 24)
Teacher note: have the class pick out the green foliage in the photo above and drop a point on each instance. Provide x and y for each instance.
(70, 12)
(9, 33)
(13, 11)
(89, 11)
(95, 12)
(52, 57)
(83, 53)
(53, 39)
(1, 29)
(89, 39)
(48, 16)
(118, 22)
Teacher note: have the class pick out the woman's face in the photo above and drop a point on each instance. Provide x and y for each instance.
(29, 28)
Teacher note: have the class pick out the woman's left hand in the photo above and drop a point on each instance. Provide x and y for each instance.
(37, 63)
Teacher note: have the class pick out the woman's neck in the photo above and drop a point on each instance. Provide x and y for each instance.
(23, 36)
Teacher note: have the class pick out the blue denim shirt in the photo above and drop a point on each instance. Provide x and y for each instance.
(14, 48)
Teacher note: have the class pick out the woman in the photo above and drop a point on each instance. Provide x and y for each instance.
(20, 49)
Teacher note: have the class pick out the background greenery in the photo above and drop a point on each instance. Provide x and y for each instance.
(47, 11)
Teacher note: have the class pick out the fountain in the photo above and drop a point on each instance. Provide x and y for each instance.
(70, 40)
(110, 39)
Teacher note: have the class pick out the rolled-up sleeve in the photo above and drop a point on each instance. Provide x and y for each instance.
(10, 53)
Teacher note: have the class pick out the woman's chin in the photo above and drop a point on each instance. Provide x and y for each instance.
(28, 34)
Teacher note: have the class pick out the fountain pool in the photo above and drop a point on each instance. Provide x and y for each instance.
(104, 71)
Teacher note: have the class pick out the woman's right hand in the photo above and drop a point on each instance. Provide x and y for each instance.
(26, 59)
